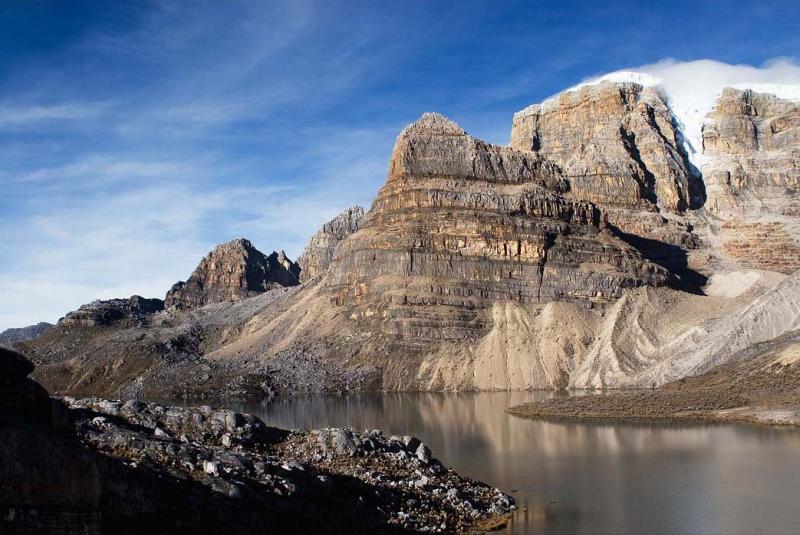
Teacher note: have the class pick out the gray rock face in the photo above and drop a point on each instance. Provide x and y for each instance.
(23, 334)
(97, 313)
(317, 255)
(232, 271)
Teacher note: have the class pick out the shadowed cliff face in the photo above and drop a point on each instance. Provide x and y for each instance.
(460, 224)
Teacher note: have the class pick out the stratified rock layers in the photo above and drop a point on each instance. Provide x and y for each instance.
(488, 267)
(619, 146)
(752, 149)
(233, 271)
(460, 224)
(106, 312)
(617, 143)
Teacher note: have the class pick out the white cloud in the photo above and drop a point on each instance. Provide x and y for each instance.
(105, 169)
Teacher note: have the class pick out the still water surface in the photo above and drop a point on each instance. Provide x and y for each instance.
(585, 478)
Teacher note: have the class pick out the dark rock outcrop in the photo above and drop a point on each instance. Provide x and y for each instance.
(21, 399)
(232, 271)
(97, 466)
(22, 334)
(317, 255)
(98, 313)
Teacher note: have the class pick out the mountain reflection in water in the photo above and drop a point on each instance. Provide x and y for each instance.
(585, 478)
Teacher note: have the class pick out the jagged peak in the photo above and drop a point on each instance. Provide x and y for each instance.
(633, 88)
(236, 243)
(434, 123)
(355, 209)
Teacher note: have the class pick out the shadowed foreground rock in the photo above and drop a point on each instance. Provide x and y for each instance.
(99, 466)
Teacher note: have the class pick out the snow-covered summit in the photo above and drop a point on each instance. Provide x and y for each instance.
(692, 89)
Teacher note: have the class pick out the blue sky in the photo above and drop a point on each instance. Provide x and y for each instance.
(134, 136)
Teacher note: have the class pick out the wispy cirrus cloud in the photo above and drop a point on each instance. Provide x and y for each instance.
(32, 115)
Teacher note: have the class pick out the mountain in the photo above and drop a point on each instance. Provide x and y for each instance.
(233, 270)
(627, 236)
(22, 334)
(460, 224)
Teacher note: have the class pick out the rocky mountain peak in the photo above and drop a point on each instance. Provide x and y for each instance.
(751, 144)
(531, 265)
(22, 334)
(106, 312)
(461, 223)
(232, 271)
(434, 123)
(617, 142)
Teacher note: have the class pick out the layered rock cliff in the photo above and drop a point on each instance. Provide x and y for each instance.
(97, 313)
(620, 146)
(751, 144)
(461, 224)
(232, 271)
(617, 143)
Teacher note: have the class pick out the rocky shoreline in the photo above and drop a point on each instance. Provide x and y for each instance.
(760, 385)
(100, 466)
(626, 410)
